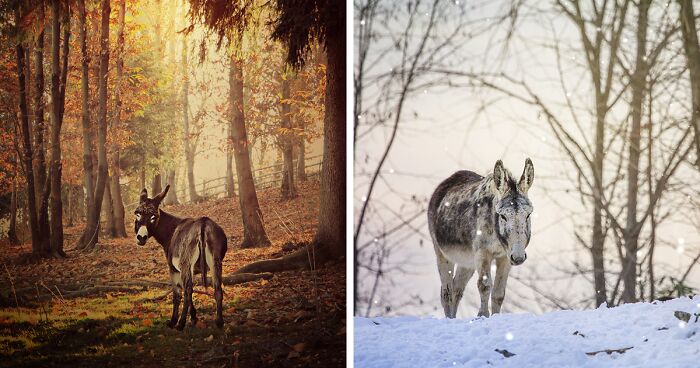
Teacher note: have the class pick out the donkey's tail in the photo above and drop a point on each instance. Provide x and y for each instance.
(203, 254)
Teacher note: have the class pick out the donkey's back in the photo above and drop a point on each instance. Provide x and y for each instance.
(447, 205)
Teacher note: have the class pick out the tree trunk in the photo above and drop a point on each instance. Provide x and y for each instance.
(88, 178)
(332, 215)
(91, 234)
(26, 138)
(56, 116)
(171, 179)
(119, 229)
(38, 131)
(71, 205)
(329, 242)
(692, 53)
(39, 126)
(157, 183)
(230, 183)
(301, 159)
(289, 189)
(253, 230)
(638, 85)
(189, 154)
(12, 228)
(142, 176)
(597, 236)
(109, 228)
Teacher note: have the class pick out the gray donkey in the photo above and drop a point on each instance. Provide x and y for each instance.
(474, 221)
(191, 245)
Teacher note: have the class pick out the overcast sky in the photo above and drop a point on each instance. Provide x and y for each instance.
(448, 133)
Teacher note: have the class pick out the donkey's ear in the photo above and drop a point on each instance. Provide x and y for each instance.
(159, 198)
(144, 196)
(499, 177)
(527, 177)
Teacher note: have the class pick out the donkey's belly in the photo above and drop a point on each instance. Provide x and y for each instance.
(459, 254)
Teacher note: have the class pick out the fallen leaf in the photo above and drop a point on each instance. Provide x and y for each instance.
(82, 314)
(299, 347)
(209, 339)
(293, 354)
(147, 322)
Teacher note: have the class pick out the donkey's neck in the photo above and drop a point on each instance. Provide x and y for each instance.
(165, 229)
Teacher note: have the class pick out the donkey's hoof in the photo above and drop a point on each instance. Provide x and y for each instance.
(483, 314)
(219, 323)
(194, 322)
(171, 324)
(180, 326)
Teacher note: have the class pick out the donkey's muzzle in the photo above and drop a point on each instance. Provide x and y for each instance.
(516, 261)
(141, 240)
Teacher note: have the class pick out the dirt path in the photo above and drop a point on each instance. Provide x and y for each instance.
(293, 319)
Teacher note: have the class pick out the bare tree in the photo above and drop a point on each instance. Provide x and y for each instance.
(692, 53)
(417, 41)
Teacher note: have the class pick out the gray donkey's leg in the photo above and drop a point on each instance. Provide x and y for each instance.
(483, 267)
(445, 268)
(462, 276)
(177, 296)
(499, 284)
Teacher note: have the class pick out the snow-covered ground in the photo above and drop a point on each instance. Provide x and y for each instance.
(649, 334)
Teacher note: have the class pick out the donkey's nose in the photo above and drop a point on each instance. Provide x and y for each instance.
(519, 260)
(141, 240)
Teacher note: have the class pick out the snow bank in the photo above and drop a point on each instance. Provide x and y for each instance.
(655, 338)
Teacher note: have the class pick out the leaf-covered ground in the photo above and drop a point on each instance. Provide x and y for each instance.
(294, 319)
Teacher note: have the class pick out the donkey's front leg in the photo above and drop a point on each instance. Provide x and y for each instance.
(177, 296)
(483, 266)
(499, 285)
(445, 269)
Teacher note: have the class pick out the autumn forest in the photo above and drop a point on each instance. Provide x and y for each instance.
(230, 110)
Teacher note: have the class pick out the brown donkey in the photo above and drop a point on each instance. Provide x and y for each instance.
(191, 245)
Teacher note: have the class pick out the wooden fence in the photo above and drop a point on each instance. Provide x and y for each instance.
(264, 177)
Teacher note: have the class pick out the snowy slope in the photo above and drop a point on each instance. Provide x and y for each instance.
(556, 339)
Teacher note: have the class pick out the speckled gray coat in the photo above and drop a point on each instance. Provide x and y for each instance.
(474, 221)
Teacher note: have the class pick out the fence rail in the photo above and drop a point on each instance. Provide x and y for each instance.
(264, 177)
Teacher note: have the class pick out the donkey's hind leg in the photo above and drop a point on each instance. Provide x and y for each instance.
(445, 268)
(218, 293)
(187, 302)
(193, 314)
(215, 266)
(462, 276)
(177, 296)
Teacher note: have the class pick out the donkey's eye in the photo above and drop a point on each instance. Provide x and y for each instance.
(138, 217)
(502, 217)
(153, 218)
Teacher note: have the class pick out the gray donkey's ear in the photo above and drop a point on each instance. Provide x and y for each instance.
(144, 196)
(499, 178)
(528, 176)
(159, 198)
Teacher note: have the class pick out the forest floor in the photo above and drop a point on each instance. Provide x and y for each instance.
(292, 319)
